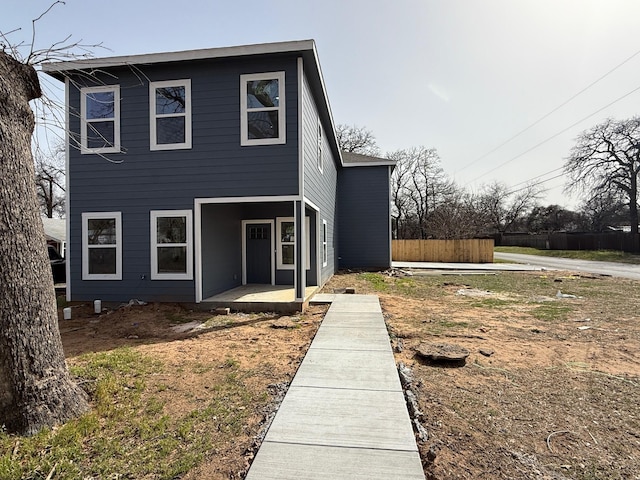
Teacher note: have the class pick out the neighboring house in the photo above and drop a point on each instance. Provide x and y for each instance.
(191, 173)
(55, 231)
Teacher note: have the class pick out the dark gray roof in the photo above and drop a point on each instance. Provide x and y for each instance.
(351, 159)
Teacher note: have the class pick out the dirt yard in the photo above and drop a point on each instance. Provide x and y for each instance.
(550, 390)
(231, 369)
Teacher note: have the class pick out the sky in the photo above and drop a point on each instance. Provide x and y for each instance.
(500, 88)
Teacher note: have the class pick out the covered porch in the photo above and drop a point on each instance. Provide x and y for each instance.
(261, 298)
(256, 253)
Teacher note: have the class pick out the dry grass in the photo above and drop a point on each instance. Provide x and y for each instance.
(553, 401)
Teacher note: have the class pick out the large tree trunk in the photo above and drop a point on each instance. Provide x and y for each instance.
(35, 387)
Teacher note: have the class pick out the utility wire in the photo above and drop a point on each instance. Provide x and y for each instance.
(537, 176)
(555, 135)
(550, 113)
(535, 184)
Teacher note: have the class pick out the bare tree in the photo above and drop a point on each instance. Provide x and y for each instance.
(606, 161)
(502, 208)
(36, 389)
(50, 181)
(356, 139)
(400, 189)
(423, 186)
(605, 210)
(456, 217)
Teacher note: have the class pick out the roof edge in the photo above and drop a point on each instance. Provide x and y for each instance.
(352, 159)
(200, 54)
(389, 163)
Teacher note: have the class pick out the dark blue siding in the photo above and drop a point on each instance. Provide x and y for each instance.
(221, 248)
(363, 218)
(319, 187)
(140, 180)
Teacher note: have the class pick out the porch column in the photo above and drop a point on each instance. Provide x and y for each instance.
(299, 279)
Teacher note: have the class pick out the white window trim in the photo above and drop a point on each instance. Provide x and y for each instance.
(244, 131)
(320, 159)
(115, 148)
(86, 216)
(324, 243)
(153, 138)
(153, 222)
(280, 265)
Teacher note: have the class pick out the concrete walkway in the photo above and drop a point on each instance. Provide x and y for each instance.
(344, 416)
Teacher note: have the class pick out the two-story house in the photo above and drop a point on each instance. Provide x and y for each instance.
(191, 173)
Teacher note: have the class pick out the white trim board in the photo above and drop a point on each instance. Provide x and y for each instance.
(263, 199)
(200, 54)
(197, 204)
(154, 245)
(117, 217)
(154, 116)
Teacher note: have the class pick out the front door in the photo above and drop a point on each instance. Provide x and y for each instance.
(258, 253)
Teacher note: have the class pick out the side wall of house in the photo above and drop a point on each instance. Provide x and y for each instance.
(363, 217)
(320, 187)
(138, 180)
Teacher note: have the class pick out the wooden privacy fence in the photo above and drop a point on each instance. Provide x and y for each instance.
(467, 251)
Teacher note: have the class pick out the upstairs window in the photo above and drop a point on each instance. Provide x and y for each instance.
(171, 245)
(262, 104)
(170, 114)
(102, 246)
(100, 119)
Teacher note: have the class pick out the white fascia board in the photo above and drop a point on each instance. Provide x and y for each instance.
(201, 54)
(370, 164)
(316, 59)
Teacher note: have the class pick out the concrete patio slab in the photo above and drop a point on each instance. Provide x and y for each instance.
(347, 418)
(347, 369)
(356, 304)
(322, 298)
(316, 462)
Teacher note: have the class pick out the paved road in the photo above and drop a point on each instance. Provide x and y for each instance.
(623, 270)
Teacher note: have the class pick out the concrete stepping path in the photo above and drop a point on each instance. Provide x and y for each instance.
(344, 415)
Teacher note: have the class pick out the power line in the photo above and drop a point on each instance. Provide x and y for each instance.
(556, 135)
(535, 184)
(537, 176)
(550, 113)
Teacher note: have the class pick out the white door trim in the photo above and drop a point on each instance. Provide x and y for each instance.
(244, 248)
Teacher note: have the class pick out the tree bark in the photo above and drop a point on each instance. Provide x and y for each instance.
(36, 390)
